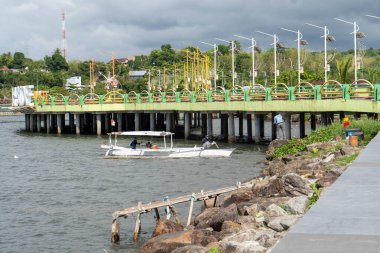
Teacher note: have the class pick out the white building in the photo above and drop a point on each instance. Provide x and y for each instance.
(74, 82)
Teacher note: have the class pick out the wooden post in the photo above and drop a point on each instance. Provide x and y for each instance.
(137, 228)
(191, 209)
(215, 200)
(157, 214)
(115, 231)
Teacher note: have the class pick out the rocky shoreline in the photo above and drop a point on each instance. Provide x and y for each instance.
(253, 220)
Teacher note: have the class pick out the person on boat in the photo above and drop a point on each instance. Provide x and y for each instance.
(134, 143)
(206, 142)
(148, 144)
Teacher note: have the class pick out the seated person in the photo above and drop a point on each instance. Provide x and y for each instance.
(134, 143)
(148, 144)
(206, 142)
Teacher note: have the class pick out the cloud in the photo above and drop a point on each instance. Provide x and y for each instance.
(135, 27)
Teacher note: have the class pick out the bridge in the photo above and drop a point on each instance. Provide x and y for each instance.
(157, 110)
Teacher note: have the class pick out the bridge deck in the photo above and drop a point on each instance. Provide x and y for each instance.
(346, 218)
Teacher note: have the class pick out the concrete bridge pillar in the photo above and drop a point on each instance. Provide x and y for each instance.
(302, 125)
(78, 123)
(288, 125)
(137, 121)
(71, 123)
(169, 122)
(273, 127)
(257, 119)
(341, 116)
(31, 122)
(152, 121)
(48, 123)
(231, 128)
(357, 115)
(39, 123)
(93, 123)
(59, 124)
(224, 125)
(27, 122)
(204, 124)
(241, 124)
(313, 122)
(98, 124)
(209, 124)
(249, 127)
(119, 122)
(186, 123)
(53, 122)
(107, 123)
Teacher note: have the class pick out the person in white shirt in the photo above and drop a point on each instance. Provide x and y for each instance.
(279, 122)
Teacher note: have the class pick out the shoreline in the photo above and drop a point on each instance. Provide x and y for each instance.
(256, 219)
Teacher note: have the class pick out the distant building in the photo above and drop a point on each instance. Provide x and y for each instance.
(125, 60)
(136, 74)
(74, 82)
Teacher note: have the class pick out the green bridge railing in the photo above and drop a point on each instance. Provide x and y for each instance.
(361, 89)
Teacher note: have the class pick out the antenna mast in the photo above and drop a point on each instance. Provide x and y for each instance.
(64, 51)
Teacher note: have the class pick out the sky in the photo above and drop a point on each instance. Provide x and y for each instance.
(97, 28)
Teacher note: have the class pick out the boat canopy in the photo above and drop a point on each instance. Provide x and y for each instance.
(142, 133)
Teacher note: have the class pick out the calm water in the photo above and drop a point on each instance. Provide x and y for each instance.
(57, 194)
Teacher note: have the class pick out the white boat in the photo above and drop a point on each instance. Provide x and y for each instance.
(115, 151)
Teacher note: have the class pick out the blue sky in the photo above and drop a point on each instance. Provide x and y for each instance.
(132, 27)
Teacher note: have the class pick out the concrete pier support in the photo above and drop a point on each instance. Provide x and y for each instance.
(169, 122)
(302, 125)
(341, 116)
(119, 122)
(152, 121)
(59, 124)
(107, 123)
(249, 127)
(203, 124)
(257, 119)
(231, 128)
(186, 123)
(71, 123)
(288, 125)
(48, 123)
(39, 123)
(78, 124)
(31, 122)
(209, 124)
(224, 125)
(241, 125)
(27, 122)
(273, 127)
(313, 122)
(137, 121)
(98, 124)
(93, 123)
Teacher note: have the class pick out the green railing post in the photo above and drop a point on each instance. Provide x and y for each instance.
(268, 96)
(192, 97)
(53, 101)
(227, 96)
(246, 95)
(291, 94)
(101, 99)
(42, 101)
(346, 92)
(150, 97)
(66, 100)
(376, 96)
(138, 98)
(317, 92)
(126, 99)
(209, 96)
(81, 100)
(35, 101)
(177, 96)
(163, 95)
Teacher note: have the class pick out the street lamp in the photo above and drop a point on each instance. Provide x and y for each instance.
(326, 38)
(371, 16)
(215, 51)
(275, 41)
(356, 29)
(233, 60)
(253, 55)
(299, 37)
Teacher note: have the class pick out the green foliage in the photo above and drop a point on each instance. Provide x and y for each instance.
(344, 160)
(314, 150)
(56, 62)
(316, 193)
(214, 249)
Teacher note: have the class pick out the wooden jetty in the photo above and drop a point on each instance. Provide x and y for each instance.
(169, 205)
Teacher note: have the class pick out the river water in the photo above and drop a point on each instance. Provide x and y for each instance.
(57, 193)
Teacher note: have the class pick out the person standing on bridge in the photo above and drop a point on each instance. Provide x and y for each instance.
(279, 123)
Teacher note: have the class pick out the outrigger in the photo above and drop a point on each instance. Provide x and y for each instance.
(115, 151)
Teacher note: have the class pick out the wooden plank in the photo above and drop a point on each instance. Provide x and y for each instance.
(143, 208)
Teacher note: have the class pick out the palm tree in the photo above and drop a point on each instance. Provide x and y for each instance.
(343, 66)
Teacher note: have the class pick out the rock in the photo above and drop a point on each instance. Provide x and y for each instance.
(274, 210)
(295, 185)
(216, 217)
(297, 205)
(190, 249)
(280, 224)
(249, 208)
(243, 247)
(171, 241)
(328, 159)
(231, 226)
(266, 238)
(275, 144)
(269, 188)
(322, 145)
(242, 236)
(276, 167)
(241, 195)
(327, 180)
(348, 150)
(164, 226)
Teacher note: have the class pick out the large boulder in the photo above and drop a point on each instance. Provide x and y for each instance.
(295, 185)
(328, 179)
(297, 205)
(274, 210)
(322, 145)
(231, 226)
(216, 217)
(273, 145)
(190, 249)
(241, 195)
(348, 150)
(280, 224)
(171, 241)
(268, 188)
(164, 226)
(249, 208)
(243, 247)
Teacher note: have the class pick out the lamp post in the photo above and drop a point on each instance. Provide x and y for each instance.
(233, 60)
(356, 29)
(371, 16)
(299, 37)
(275, 40)
(326, 33)
(253, 55)
(215, 50)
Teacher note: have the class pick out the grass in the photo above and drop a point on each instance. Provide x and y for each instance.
(214, 249)
(344, 160)
(316, 193)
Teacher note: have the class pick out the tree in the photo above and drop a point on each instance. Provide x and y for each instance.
(56, 62)
(18, 60)
(343, 67)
